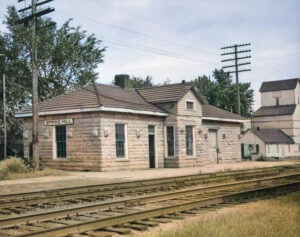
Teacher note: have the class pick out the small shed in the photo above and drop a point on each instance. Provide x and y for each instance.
(265, 142)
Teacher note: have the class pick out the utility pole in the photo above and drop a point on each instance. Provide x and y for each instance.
(35, 98)
(236, 66)
(4, 120)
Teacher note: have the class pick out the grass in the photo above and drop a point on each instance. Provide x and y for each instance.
(278, 217)
(14, 168)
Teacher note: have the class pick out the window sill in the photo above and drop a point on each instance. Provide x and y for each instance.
(122, 160)
(170, 157)
(191, 157)
(60, 159)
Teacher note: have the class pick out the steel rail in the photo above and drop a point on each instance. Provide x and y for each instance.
(156, 212)
(116, 185)
(120, 190)
(12, 221)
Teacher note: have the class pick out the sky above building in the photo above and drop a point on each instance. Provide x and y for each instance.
(180, 40)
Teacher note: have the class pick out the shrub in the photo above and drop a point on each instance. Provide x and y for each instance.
(12, 166)
(261, 158)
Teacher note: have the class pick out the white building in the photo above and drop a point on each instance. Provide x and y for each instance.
(276, 124)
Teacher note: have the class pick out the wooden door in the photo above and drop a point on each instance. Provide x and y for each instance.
(213, 145)
(151, 134)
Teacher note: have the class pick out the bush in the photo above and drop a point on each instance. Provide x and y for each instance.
(12, 166)
(261, 158)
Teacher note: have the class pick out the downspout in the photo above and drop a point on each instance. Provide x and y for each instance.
(99, 131)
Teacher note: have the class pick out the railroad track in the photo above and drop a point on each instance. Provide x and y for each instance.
(143, 212)
(21, 203)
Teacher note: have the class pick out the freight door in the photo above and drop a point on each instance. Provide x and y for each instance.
(213, 145)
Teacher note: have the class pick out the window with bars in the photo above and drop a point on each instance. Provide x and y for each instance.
(189, 136)
(190, 105)
(61, 141)
(170, 140)
(120, 140)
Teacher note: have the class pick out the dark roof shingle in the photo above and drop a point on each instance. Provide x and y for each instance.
(273, 136)
(288, 84)
(215, 112)
(275, 110)
(163, 94)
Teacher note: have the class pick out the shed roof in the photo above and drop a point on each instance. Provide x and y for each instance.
(273, 136)
(275, 110)
(288, 84)
(210, 111)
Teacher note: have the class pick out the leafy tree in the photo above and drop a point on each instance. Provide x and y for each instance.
(221, 92)
(67, 59)
(139, 82)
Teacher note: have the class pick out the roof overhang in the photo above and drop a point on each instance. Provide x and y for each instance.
(99, 109)
(224, 120)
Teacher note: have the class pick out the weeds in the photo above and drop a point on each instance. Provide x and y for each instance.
(15, 168)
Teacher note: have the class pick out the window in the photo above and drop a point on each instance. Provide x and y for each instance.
(61, 148)
(170, 140)
(190, 105)
(120, 140)
(299, 147)
(257, 149)
(277, 100)
(277, 146)
(151, 130)
(30, 150)
(189, 136)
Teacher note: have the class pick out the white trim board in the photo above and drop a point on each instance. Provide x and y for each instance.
(225, 120)
(102, 108)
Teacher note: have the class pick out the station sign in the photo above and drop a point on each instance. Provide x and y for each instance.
(58, 122)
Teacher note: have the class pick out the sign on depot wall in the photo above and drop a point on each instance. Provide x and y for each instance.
(59, 122)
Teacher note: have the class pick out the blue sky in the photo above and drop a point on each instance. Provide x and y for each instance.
(180, 40)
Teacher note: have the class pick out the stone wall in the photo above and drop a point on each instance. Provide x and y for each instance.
(83, 147)
(137, 141)
(187, 117)
(230, 146)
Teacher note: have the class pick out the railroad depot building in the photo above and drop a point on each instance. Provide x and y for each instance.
(105, 128)
(275, 126)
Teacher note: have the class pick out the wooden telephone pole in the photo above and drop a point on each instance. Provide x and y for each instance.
(236, 66)
(32, 18)
(4, 120)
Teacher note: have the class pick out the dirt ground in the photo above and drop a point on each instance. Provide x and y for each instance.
(73, 178)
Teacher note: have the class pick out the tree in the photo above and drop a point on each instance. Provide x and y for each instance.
(67, 59)
(139, 82)
(221, 92)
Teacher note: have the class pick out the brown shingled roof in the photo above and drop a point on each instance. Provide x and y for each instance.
(275, 110)
(215, 112)
(288, 84)
(115, 97)
(273, 136)
(85, 98)
(167, 93)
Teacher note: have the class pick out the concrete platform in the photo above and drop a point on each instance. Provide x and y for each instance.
(73, 178)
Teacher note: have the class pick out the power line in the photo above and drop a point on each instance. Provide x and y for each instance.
(236, 66)
(151, 50)
(134, 33)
